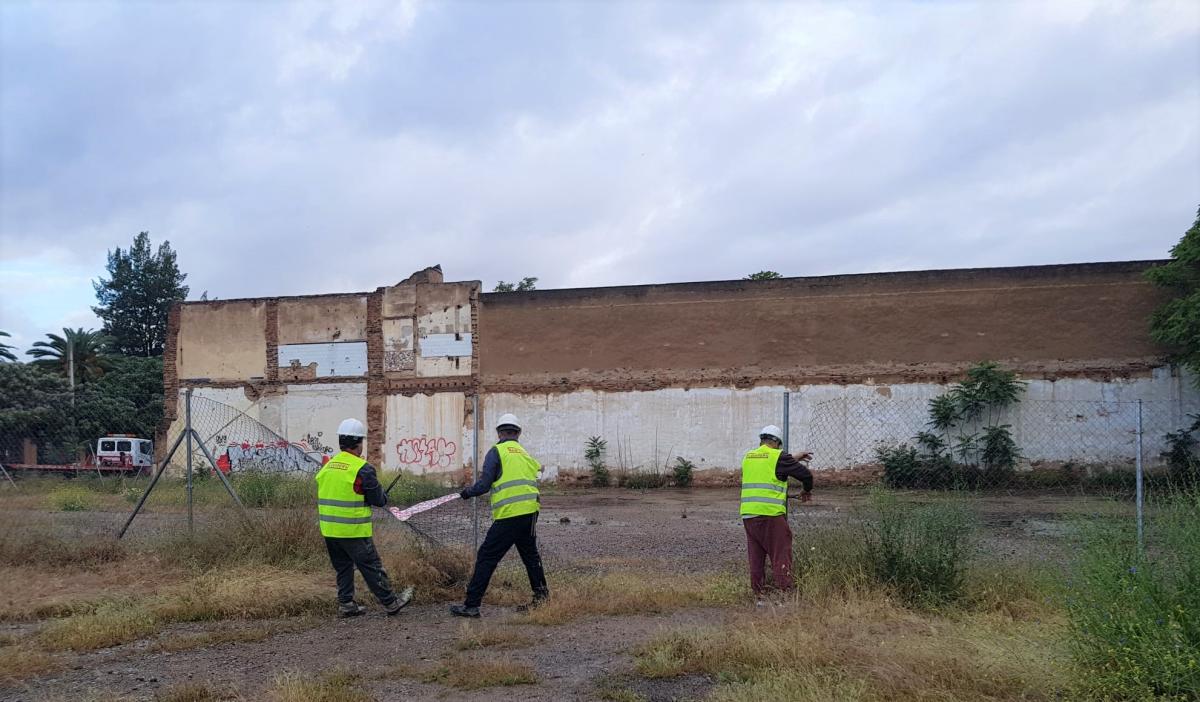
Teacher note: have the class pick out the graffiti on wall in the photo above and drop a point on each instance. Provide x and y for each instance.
(428, 453)
(275, 456)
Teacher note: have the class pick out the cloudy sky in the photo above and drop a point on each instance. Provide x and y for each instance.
(288, 148)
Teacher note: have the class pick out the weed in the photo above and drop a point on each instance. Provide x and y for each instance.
(920, 551)
(19, 661)
(187, 642)
(645, 480)
(38, 546)
(247, 592)
(334, 686)
(862, 647)
(624, 593)
(1135, 631)
(410, 489)
(683, 472)
(109, 625)
(71, 498)
(472, 637)
(283, 538)
(467, 673)
(594, 455)
(265, 489)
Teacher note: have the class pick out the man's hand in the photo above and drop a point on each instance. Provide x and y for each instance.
(804, 457)
(806, 496)
(463, 495)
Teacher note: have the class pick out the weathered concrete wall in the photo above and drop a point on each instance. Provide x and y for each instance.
(1051, 321)
(222, 341)
(1080, 419)
(308, 320)
(428, 433)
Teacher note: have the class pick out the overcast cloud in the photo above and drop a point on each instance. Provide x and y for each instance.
(288, 148)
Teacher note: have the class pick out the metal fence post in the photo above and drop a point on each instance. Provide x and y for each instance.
(475, 469)
(1140, 491)
(787, 427)
(188, 430)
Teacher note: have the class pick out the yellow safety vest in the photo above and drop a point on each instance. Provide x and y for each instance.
(343, 513)
(763, 494)
(515, 492)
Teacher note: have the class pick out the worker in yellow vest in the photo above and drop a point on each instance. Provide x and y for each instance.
(347, 488)
(765, 471)
(511, 475)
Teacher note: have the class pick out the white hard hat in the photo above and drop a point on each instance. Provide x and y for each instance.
(772, 430)
(351, 427)
(508, 420)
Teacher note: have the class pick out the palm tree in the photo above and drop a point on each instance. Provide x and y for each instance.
(6, 353)
(78, 354)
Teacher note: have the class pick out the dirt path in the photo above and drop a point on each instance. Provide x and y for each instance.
(569, 660)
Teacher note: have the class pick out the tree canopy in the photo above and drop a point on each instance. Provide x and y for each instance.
(1177, 323)
(136, 297)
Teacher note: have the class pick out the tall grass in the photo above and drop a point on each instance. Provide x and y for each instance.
(1135, 620)
(919, 551)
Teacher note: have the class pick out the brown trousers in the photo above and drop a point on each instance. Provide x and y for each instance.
(769, 536)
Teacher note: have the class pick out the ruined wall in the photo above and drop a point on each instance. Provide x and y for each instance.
(222, 341)
(400, 358)
(842, 424)
(1047, 321)
(428, 433)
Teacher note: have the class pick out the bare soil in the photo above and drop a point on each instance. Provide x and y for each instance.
(685, 531)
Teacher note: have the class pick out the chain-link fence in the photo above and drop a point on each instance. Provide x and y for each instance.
(1032, 444)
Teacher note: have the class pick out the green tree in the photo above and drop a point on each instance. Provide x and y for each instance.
(85, 349)
(134, 300)
(33, 405)
(127, 399)
(1177, 323)
(525, 285)
(6, 353)
(763, 275)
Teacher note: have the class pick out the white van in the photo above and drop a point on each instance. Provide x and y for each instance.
(124, 451)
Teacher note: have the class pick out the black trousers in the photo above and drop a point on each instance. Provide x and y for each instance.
(503, 534)
(347, 554)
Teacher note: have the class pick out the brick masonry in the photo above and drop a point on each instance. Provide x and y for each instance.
(376, 387)
(272, 336)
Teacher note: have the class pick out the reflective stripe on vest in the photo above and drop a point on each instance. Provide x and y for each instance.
(515, 492)
(342, 512)
(763, 495)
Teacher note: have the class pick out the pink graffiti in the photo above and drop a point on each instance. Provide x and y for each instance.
(430, 453)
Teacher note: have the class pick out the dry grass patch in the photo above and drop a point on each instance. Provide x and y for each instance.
(616, 594)
(872, 648)
(197, 692)
(476, 636)
(110, 625)
(467, 673)
(261, 592)
(216, 637)
(20, 661)
(335, 686)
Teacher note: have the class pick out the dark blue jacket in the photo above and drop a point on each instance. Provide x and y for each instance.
(489, 475)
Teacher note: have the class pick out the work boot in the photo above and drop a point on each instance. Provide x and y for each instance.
(350, 609)
(464, 611)
(400, 602)
(539, 598)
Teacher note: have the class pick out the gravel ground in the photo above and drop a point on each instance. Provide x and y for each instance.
(688, 531)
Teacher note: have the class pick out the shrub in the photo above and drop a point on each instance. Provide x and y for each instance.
(1134, 624)
(919, 551)
(639, 480)
(263, 489)
(683, 471)
(409, 489)
(71, 498)
(594, 455)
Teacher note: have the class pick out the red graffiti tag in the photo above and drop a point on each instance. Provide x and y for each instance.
(431, 453)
